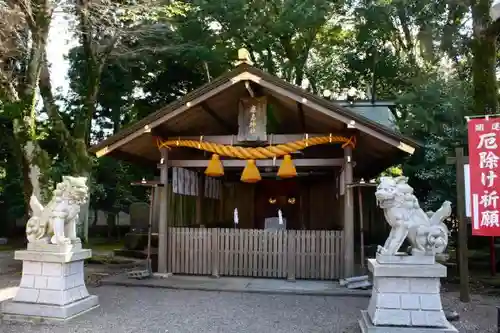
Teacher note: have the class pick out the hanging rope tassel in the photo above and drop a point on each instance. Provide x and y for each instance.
(251, 173)
(287, 169)
(214, 168)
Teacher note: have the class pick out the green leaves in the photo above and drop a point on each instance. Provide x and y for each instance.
(435, 111)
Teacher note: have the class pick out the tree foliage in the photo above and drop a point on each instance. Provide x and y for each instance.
(136, 56)
(436, 110)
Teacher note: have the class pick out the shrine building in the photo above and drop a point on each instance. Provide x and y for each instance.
(262, 178)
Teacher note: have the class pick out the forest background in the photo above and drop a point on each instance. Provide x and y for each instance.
(437, 59)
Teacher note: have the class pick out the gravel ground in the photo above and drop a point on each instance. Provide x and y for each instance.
(136, 310)
(148, 310)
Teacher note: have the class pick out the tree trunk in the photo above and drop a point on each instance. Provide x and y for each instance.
(111, 221)
(95, 218)
(483, 62)
(34, 160)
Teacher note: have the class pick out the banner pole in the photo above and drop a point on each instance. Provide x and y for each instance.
(493, 264)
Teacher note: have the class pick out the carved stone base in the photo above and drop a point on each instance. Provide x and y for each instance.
(75, 245)
(405, 259)
(367, 327)
(52, 285)
(46, 313)
(405, 296)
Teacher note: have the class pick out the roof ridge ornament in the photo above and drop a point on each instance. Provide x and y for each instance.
(244, 57)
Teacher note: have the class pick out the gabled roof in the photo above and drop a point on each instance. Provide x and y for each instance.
(379, 112)
(245, 72)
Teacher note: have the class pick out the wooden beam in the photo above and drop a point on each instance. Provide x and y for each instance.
(217, 118)
(274, 138)
(302, 119)
(304, 162)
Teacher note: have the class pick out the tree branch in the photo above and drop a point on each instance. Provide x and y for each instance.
(50, 104)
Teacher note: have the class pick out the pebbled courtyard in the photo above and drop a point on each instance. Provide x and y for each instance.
(153, 310)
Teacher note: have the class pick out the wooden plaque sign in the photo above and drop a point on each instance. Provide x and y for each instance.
(252, 119)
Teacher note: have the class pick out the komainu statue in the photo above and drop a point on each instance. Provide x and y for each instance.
(56, 222)
(426, 232)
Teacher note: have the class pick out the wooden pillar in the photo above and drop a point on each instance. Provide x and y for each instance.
(291, 235)
(463, 264)
(361, 227)
(199, 200)
(215, 251)
(348, 215)
(222, 197)
(163, 220)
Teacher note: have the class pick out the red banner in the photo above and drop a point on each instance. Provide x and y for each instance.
(484, 152)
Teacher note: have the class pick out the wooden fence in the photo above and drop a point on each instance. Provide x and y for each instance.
(301, 254)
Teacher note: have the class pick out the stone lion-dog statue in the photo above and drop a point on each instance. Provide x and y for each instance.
(426, 232)
(56, 222)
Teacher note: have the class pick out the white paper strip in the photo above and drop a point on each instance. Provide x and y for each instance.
(188, 182)
(175, 183)
(467, 190)
(187, 185)
(182, 181)
(179, 181)
(235, 218)
(193, 183)
(475, 202)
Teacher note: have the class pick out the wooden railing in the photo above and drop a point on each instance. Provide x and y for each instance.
(301, 254)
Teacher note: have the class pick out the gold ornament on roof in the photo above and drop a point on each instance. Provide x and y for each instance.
(244, 57)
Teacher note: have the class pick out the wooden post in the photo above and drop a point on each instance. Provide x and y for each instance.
(222, 197)
(493, 260)
(215, 251)
(361, 227)
(163, 220)
(200, 199)
(348, 215)
(463, 263)
(290, 234)
(498, 319)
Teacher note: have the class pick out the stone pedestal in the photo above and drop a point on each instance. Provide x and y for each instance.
(52, 286)
(405, 296)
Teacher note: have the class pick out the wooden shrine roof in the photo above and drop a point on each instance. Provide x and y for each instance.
(212, 110)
